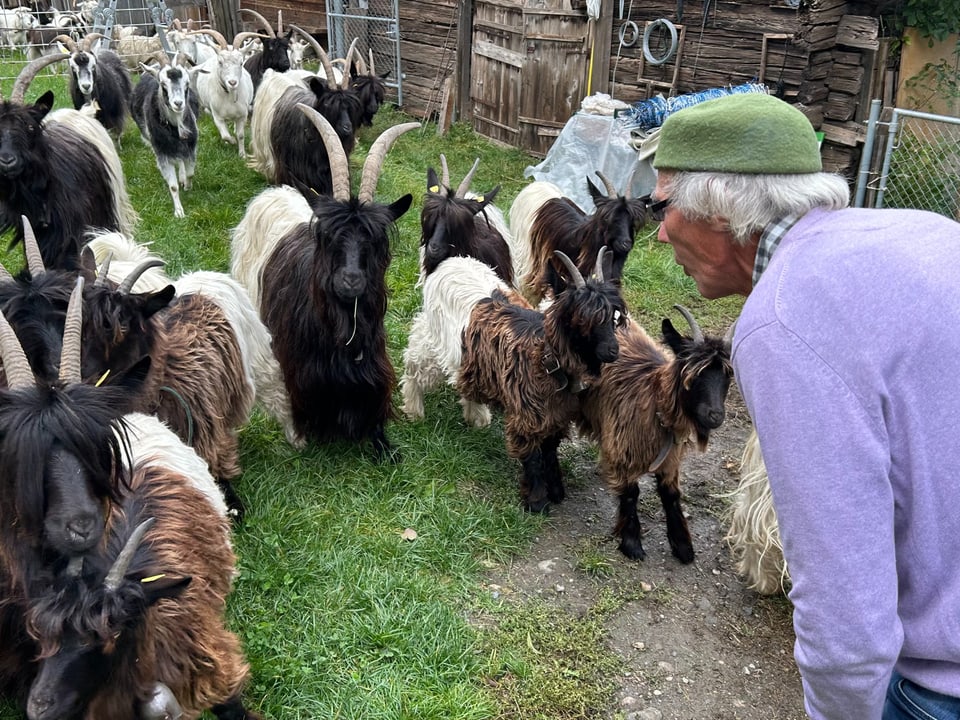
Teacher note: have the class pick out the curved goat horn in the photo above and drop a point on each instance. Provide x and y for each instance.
(72, 327)
(339, 166)
(728, 337)
(104, 270)
(575, 274)
(32, 249)
(374, 161)
(279, 22)
(373, 73)
(345, 79)
(15, 364)
(29, 72)
(311, 40)
(262, 20)
(468, 178)
(601, 256)
(611, 189)
(694, 326)
(5, 275)
(66, 40)
(445, 172)
(89, 40)
(130, 280)
(221, 40)
(120, 565)
(361, 65)
(327, 67)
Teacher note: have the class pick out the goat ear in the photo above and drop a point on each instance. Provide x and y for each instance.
(399, 207)
(433, 182)
(130, 382)
(159, 300)
(157, 587)
(88, 264)
(490, 196)
(42, 106)
(318, 86)
(674, 340)
(595, 192)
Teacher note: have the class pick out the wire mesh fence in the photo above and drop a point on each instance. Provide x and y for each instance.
(376, 26)
(920, 166)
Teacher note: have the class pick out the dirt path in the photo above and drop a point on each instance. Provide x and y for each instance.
(695, 643)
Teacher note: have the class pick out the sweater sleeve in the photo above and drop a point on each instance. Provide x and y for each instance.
(828, 461)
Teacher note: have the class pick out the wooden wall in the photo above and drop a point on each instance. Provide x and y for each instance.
(428, 51)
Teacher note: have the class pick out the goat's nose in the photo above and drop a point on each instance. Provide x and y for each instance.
(715, 417)
(232, 83)
(8, 159)
(38, 707)
(80, 528)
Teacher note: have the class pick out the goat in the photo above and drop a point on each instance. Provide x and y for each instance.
(284, 146)
(318, 279)
(370, 87)
(15, 26)
(62, 172)
(453, 223)
(165, 109)
(544, 222)
(643, 412)
(273, 54)
(225, 89)
(99, 77)
(753, 532)
(137, 50)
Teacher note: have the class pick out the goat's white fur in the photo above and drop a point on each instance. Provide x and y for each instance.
(434, 349)
(224, 103)
(272, 87)
(523, 212)
(753, 532)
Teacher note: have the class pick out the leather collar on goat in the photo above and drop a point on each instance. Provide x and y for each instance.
(670, 440)
(552, 366)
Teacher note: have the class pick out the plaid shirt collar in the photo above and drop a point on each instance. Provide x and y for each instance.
(769, 240)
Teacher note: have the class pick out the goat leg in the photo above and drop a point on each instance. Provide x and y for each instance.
(533, 485)
(551, 467)
(382, 449)
(235, 507)
(628, 524)
(233, 709)
(677, 531)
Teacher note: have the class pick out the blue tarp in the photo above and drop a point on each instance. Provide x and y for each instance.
(651, 113)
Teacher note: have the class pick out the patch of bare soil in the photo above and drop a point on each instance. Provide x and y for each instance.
(695, 643)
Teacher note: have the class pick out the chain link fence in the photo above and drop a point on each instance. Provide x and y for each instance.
(376, 25)
(920, 164)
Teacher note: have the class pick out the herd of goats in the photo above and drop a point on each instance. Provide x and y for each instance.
(123, 389)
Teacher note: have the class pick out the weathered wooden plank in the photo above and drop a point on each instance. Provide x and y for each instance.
(811, 93)
(859, 31)
(840, 106)
(844, 133)
(495, 52)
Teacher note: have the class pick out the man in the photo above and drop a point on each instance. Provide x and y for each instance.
(847, 353)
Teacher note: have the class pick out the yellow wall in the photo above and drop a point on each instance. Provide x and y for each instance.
(917, 53)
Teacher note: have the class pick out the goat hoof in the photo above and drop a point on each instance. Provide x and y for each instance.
(682, 552)
(541, 506)
(556, 493)
(632, 549)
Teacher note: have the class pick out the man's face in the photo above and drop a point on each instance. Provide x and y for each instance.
(704, 249)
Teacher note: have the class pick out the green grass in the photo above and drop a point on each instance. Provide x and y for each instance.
(340, 616)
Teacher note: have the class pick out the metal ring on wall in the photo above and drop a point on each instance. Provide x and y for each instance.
(630, 41)
(656, 25)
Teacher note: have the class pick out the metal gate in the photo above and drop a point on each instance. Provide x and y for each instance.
(377, 25)
(920, 167)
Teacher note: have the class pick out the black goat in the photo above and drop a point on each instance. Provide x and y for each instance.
(371, 88)
(62, 172)
(644, 412)
(274, 55)
(545, 224)
(453, 224)
(317, 276)
(165, 109)
(100, 78)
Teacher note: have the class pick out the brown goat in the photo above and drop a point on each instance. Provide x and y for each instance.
(534, 365)
(645, 411)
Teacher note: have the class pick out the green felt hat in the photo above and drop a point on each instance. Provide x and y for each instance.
(750, 133)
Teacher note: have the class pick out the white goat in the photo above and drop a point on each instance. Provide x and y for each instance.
(135, 49)
(15, 24)
(753, 532)
(225, 89)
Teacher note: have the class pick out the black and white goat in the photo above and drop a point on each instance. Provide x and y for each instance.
(543, 221)
(273, 54)
(60, 170)
(456, 222)
(99, 77)
(165, 108)
(317, 275)
(645, 411)
(283, 144)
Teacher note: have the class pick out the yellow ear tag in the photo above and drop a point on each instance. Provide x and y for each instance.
(434, 188)
(479, 198)
(102, 378)
(153, 578)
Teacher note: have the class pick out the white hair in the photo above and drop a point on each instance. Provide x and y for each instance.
(751, 202)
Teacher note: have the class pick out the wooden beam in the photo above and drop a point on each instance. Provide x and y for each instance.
(463, 108)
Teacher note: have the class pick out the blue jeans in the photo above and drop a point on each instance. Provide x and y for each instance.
(908, 701)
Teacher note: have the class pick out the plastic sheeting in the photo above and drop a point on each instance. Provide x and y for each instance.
(589, 143)
(651, 113)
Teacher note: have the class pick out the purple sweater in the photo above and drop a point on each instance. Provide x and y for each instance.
(848, 356)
